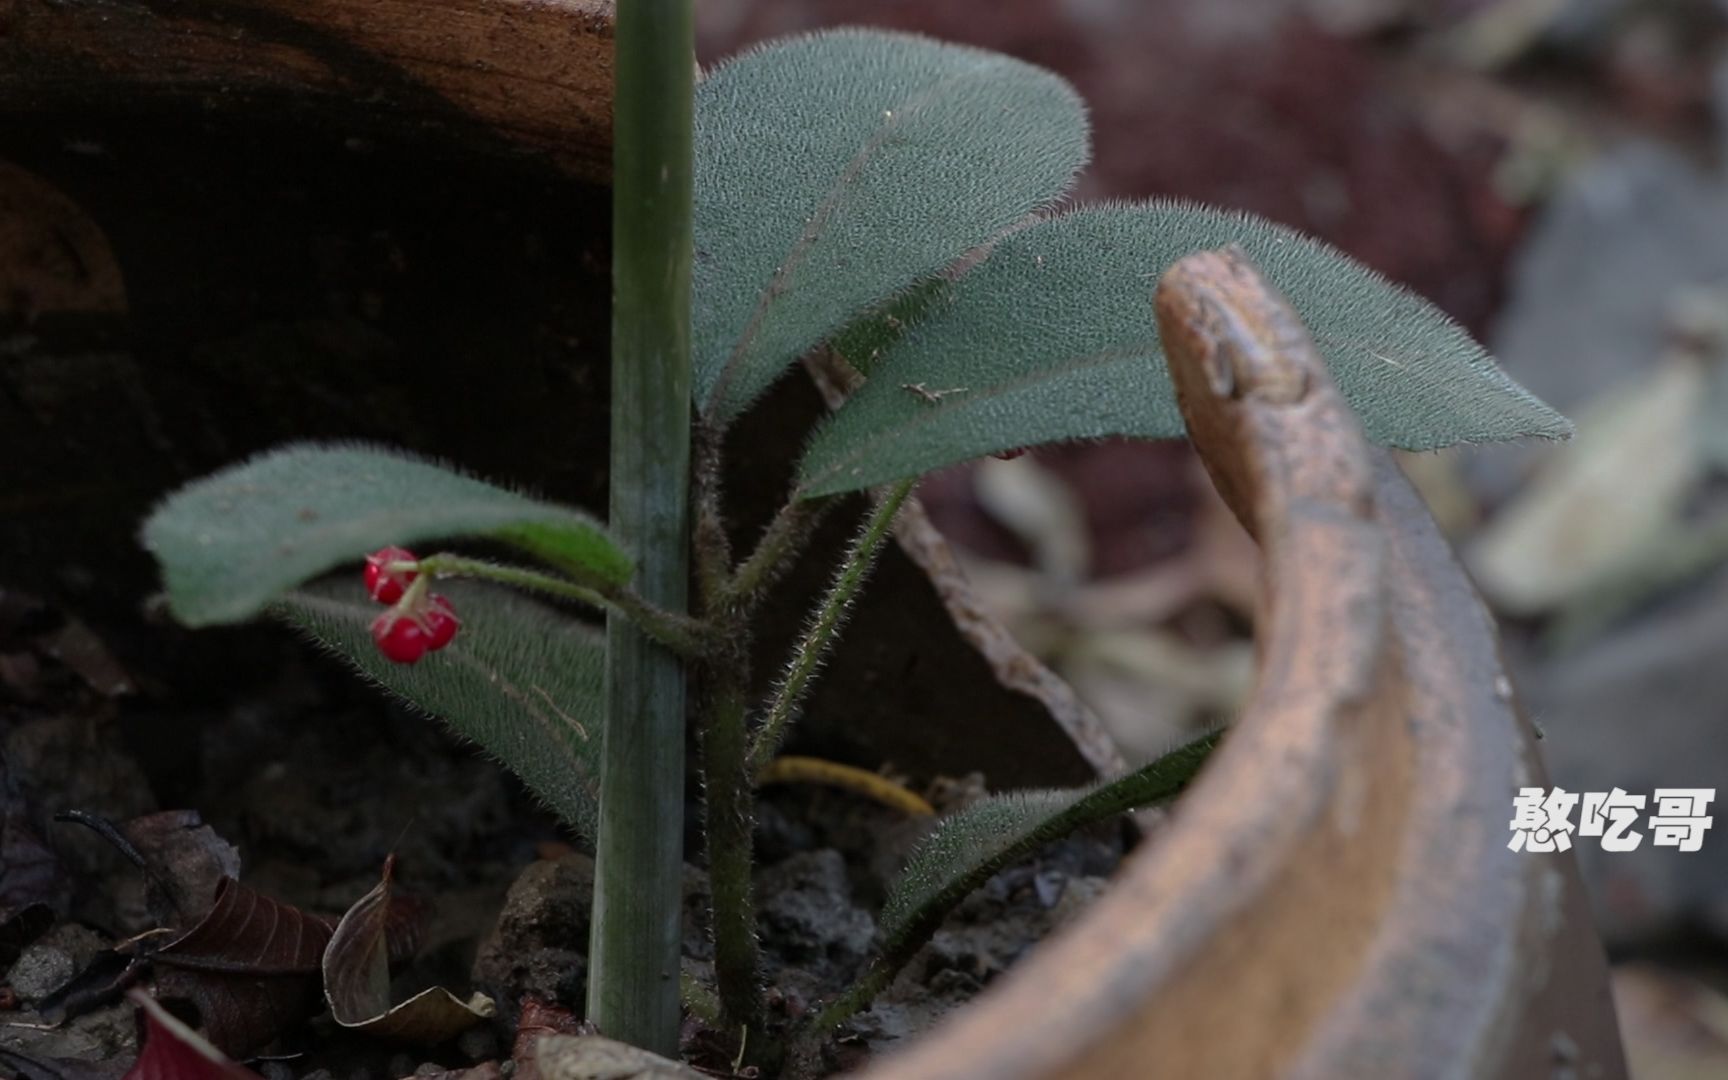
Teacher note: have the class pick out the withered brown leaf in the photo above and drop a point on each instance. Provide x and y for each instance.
(249, 968)
(357, 976)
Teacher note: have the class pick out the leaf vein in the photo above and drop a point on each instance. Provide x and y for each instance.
(930, 414)
(781, 282)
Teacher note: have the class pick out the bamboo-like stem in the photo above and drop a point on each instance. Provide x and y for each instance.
(676, 631)
(635, 943)
(819, 636)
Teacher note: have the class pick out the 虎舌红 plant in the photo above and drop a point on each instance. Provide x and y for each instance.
(893, 205)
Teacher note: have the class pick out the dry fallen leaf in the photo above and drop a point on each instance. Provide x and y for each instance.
(54, 258)
(184, 862)
(1153, 689)
(1598, 504)
(249, 968)
(1042, 511)
(357, 977)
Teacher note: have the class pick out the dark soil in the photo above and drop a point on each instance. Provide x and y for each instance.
(317, 780)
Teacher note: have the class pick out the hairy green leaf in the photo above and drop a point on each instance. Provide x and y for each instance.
(835, 170)
(1053, 338)
(868, 338)
(236, 539)
(521, 680)
(969, 847)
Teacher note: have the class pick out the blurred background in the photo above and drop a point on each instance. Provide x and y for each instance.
(1551, 173)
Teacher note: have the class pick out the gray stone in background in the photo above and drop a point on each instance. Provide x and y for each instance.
(1645, 705)
(538, 946)
(1642, 708)
(51, 963)
(1590, 292)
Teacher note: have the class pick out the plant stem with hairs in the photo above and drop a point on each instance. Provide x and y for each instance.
(676, 631)
(819, 637)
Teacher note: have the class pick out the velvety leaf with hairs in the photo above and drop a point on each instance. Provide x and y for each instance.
(237, 539)
(173, 1051)
(867, 339)
(971, 845)
(837, 169)
(249, 969)
(522, 681)
(357, 977)
(1052, 337)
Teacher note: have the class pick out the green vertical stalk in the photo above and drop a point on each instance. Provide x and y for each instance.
(634, 949)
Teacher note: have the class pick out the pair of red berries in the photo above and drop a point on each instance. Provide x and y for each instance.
(418, 622)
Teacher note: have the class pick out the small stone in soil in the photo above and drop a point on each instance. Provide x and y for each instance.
(1049, 886)
(104, 1035)
(51, 962)
(955, 982)
(276, 1070)
(780, 835)
(478, 1043)
(1078, 895)
(546, 911)
(808, 912)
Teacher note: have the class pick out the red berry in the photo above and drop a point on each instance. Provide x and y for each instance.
(386, 585)
(440, 622)
(400, 637)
